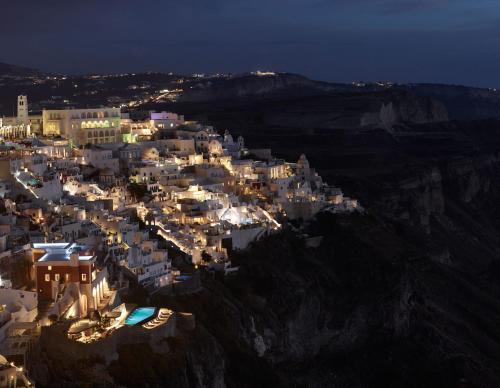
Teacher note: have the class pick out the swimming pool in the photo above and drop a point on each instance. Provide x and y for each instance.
(182, 277)
(140, 315)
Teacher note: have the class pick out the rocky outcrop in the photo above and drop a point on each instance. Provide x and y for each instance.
(407, 110)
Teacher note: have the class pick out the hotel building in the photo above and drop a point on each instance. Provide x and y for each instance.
(84, 126)
(61, 264)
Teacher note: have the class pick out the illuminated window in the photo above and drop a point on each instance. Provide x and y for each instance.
(47, 277)
(84, 277)
(67, 277)
(57, 277)
(50, 268)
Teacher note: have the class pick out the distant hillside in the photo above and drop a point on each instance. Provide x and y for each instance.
(341, 105)
(14, 70)
(254, 85)
(461, 102)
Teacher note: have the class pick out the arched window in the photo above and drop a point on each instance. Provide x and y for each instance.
(95, 133)
(89, 115)
(82, 115)
(106, 114)
(112, 132)
(94, 115)
(101, 133)
(89, 134)
(106, 124)
(106, 133)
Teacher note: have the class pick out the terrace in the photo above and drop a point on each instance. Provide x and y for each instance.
(135, 318)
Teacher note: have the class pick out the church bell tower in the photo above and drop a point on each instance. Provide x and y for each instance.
(22, 110)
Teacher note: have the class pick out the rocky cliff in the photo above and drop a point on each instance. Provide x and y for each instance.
(373, 305)
(462, 103)
(407, 109)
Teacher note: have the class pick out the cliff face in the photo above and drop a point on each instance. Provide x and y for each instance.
(374, 305)
(462, 103)
(425, 194)
(408, 110)
(192, 358)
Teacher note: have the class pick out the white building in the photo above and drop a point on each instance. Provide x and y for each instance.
(16, 306)
(100, 158)
(166, 120)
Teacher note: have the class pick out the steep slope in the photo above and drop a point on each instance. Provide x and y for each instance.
(372, 306)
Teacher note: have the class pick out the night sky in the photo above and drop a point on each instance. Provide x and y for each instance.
(454, 41)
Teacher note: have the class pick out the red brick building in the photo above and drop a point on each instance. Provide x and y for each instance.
(61, 264)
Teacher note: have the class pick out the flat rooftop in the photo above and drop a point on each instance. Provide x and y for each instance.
(61, 251)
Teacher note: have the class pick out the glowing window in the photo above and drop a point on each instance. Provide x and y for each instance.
(47, 277)
(84, 277)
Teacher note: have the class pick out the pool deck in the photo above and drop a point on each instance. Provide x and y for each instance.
(141, 315)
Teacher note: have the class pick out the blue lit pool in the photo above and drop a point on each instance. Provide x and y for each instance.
(182, 277)
(140, 315)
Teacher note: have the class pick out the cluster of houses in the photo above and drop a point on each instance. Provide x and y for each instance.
(95, 198)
